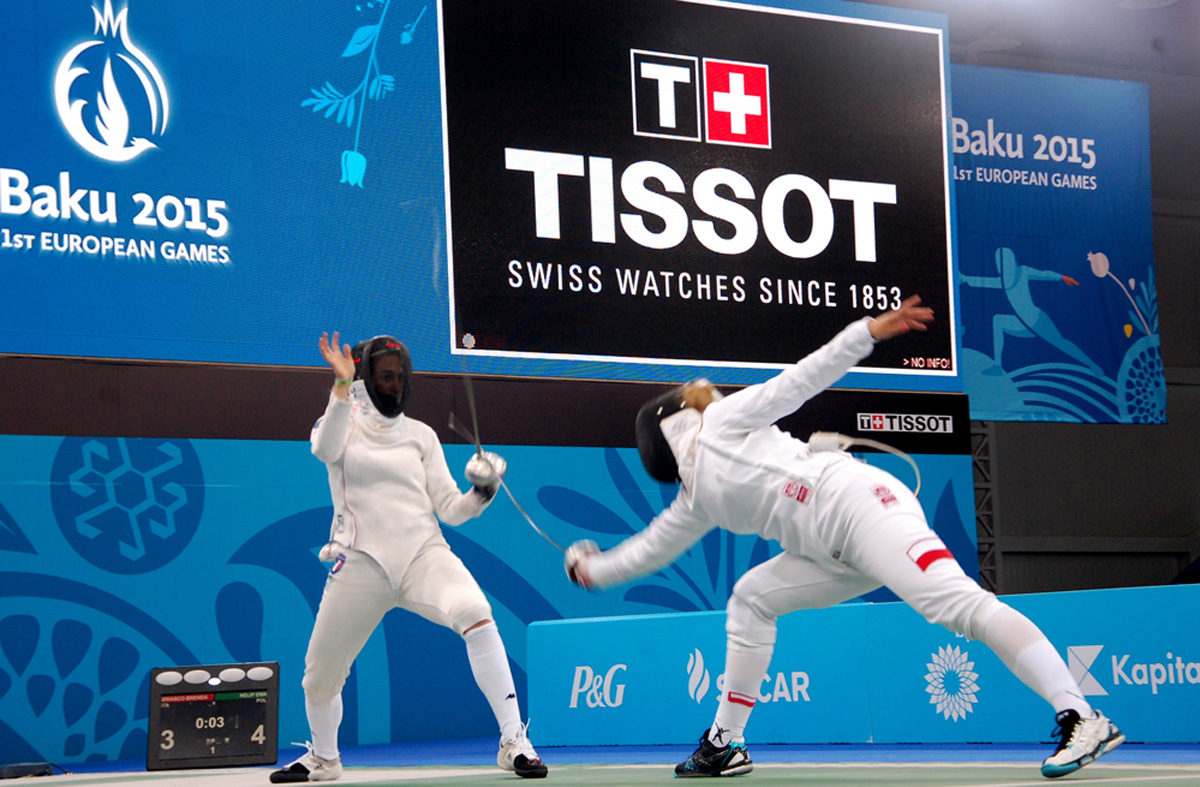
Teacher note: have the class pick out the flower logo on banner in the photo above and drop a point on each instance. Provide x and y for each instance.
(952, 685)
(374, 86)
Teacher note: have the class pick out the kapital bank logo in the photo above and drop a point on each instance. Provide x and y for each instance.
(1171, 672)
(95, 87)
(1080, 659)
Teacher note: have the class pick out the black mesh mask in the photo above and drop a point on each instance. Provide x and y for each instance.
(366, 356)
(656, 454)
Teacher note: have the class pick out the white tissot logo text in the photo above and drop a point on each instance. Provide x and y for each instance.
(905, 422)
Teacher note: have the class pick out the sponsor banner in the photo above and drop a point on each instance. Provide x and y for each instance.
(658, 679)
(1055, 256)
(869, 672)
(631, 182)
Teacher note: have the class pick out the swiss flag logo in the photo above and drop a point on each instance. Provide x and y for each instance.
(737, 103)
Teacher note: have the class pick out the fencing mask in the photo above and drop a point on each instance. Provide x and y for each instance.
(653, 448)
(367, 356)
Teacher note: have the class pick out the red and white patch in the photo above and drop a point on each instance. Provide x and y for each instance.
(742, 699)
(928, 550)
(796, 491)
(885, 496)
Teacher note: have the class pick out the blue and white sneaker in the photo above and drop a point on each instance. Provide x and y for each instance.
(710, 760)
(1081, 742)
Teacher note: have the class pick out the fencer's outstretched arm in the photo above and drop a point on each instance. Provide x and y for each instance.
(668, 536)
(910, 316)
(764, 404)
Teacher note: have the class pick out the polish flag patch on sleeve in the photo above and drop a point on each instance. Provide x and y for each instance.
(928, 550)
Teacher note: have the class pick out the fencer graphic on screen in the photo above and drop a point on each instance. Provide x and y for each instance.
(390, 486)
(845, 527)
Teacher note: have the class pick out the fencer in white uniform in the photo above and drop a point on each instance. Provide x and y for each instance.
(846, 528)
(390, 486)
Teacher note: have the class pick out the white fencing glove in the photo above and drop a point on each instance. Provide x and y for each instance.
(484, 471)
(575, 562)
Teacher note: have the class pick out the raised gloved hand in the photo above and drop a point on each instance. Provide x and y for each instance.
(484, 471)
(575, 561)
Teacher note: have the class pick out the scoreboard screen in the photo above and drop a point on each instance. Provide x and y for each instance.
(213, 716)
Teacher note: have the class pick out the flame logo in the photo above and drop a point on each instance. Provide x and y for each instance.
(106, 130)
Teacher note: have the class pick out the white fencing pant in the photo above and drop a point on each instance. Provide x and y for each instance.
(873, 533)
(437, 586)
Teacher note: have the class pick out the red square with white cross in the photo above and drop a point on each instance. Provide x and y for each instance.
(737, 106)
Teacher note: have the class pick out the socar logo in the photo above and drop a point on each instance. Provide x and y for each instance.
(106, 90)
(698, 679)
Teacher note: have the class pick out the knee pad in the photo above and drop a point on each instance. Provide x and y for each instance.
(323, 686)
(983, 615)
(958, 604)
(468, 614)
(748, 627)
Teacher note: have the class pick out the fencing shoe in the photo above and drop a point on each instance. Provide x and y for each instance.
(1081, 742)
(309, 768)
(709, 760)
(517, 754)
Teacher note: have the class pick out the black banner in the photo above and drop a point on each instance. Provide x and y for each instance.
(683, 182)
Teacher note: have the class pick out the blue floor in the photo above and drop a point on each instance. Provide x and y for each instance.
(482, 751)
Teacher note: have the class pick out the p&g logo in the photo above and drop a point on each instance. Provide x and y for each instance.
(599, 691)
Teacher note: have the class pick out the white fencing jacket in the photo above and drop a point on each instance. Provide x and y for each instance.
(742, 473)
(389, 482)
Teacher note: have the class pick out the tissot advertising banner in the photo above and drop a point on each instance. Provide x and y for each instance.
(691, 182)
(1059, 310)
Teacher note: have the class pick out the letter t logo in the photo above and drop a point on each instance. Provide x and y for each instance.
(666, 95)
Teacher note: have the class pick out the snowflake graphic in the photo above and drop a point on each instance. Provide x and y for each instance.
(127, 505)
(952, 685)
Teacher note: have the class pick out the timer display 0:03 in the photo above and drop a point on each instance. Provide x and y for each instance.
(229, 723)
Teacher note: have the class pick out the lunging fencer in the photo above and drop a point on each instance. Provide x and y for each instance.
(390, 485)
(846, 528)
